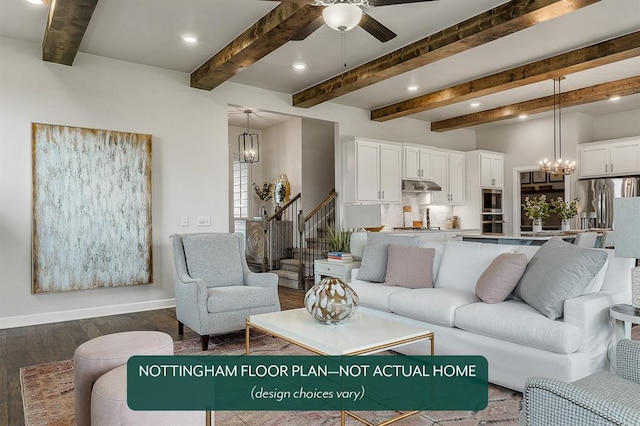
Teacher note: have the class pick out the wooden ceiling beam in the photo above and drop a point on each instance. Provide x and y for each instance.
(599, 92)
(503, 20)
(617, 49)
(66, 25)
(263, 37)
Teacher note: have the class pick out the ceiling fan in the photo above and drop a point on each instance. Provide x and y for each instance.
(343, 15)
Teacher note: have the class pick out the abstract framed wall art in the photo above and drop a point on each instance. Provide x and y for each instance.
(91, 209)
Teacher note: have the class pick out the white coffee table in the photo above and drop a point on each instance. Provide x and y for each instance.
(367, 332)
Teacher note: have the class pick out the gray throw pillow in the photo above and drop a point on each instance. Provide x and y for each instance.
(557, 272)
(410, 267)
(500, 278)
(374, 260)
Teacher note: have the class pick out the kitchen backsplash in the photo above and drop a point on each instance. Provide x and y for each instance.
(394, 217)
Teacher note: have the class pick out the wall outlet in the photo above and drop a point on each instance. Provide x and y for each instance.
(184, 220)
(204, 220)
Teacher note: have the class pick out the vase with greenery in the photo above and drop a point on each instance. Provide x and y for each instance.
(565, 211)
(338, 239)
(536, 209)
(264, 193)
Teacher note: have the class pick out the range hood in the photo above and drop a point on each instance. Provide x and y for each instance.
(420, 186)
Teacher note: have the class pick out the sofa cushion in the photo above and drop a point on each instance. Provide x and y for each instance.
(410, 267)
(374, 260)
(463, 262)
(439, 247)
(500, 278)
(214, 258)
(517, 322)
(558, 271)
(234, 298)
(434, 305)
(374, 295)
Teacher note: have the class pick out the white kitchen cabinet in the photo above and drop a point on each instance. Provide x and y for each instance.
(447, 170)
(372, 171)
(484, 189)
(609, 158)
(417, 163)
(491, 170)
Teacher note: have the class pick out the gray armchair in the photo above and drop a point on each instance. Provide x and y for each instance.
(215, 290)
(599, 399)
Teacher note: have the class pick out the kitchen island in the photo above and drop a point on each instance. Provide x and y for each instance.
(434, 234)
(523, 239)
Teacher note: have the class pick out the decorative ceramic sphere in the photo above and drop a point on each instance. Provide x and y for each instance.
(331, 301)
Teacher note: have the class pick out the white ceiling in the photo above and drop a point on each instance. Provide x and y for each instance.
(149, 32)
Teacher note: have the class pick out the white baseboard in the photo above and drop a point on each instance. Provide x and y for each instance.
(76, 314)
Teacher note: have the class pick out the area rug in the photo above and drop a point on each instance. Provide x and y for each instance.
(47, 394)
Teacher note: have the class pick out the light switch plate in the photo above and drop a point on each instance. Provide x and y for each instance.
(184, 220)
(204, 220)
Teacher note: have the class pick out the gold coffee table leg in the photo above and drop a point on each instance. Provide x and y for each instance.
(246, 337)
(208, 419)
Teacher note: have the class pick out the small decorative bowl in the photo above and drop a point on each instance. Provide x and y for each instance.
(376, 229)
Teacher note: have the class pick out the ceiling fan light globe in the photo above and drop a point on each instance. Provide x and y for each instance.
(342, 16)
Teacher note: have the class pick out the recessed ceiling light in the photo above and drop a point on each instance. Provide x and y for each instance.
(187, 38)
(522, 116)
(36, 1)
(412, 87)
(614, 98)
(475, 104)
(299, 66)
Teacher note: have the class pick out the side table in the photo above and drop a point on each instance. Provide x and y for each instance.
(624, 316)
(326, 268)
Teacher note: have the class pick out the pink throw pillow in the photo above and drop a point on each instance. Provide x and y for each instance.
(410, 267)
(500, 278)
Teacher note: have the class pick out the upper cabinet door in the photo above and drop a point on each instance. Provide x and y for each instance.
(440, 175)
(456, 179)
(411, 163)
(425, 164)
(367, 171)
(390, 174)
(625, 157)
(594, 161)
(491, 171)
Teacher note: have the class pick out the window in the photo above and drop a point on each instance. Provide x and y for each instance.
(240, 196)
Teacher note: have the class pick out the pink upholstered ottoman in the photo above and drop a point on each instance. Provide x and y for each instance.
(97, 356)
(109, 406)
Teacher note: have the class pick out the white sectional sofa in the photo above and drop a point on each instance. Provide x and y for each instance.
(517, 340)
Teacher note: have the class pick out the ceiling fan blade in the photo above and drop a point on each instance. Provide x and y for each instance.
(376, 29)
(308, 30)
(377, 3)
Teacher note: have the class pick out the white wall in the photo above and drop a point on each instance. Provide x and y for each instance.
(105, 94)
(283, 153)
(614, 126)
(318, 171)
(190, 160)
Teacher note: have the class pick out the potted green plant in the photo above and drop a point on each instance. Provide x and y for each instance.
(536, 209)
(565, 211)
(338, 239)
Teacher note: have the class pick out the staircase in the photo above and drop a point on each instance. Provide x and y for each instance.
(298, 272)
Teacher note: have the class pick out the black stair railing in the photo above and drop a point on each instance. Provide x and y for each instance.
(313, 243)
(279, 233)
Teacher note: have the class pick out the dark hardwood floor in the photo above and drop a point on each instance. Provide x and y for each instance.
(25, 346)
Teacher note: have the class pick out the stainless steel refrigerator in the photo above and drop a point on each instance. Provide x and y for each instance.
(595, 205)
